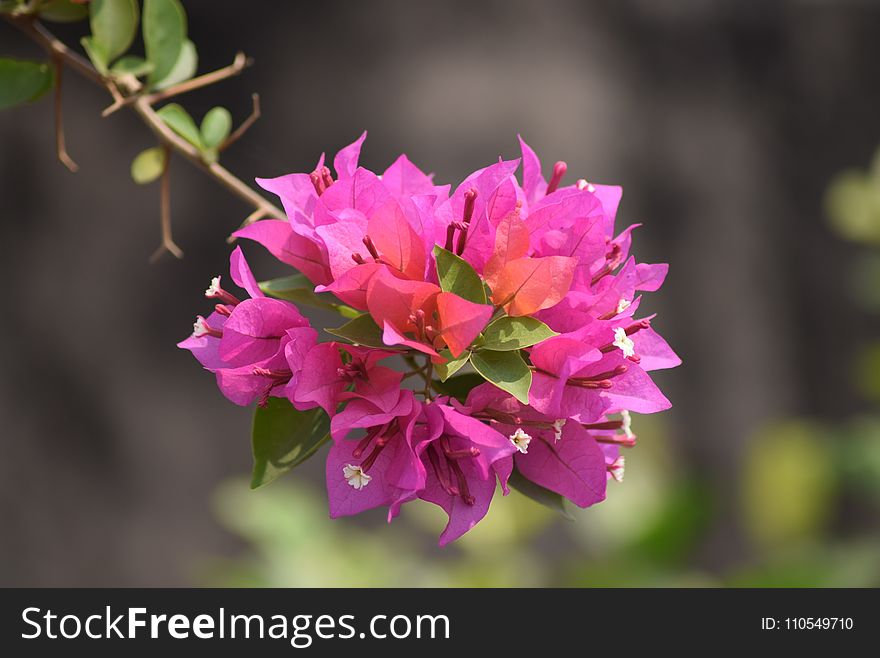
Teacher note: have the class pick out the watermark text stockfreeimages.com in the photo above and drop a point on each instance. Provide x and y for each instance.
(300, 630)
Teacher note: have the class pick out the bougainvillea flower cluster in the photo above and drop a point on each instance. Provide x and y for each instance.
(489, 335)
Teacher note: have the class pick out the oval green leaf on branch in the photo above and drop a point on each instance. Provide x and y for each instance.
(284, 437)
(508, 334)
(164, 35)
(457, 276)
(184, 68)
(362, 330)
(114, 25)
(216, 127)
(131, 65)
(507, 370)
(460, 385)
(539, 494)
(148, 165)
(298, 289)
(63, 11)
(451, 366)
(96, 54)
(23, 81)
(182, 123)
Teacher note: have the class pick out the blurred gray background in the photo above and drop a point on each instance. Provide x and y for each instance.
(724, 121)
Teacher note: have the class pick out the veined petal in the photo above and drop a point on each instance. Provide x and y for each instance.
(346, 161)
(573, 467)
(289, 247)
(527, 285)
(400, 246)
(241, 273)
(461, 321)
(394, 300)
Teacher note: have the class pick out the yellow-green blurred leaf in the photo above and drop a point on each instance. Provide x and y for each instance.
(788, 483)
(852, 203)
(148, 165)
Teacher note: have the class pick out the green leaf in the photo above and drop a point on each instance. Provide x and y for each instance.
(362, 330)
(506, 370)
(348, 311)
(284, 437)
(539, 494)
(457, 276)
(23, 81)
(451, 365)
(148, 165)
(216, 127)
(298, 289)
(460, 385)
(852, 203)
(789, 484)
(114, 25)
(508, 334)
(182, 123)
(164, 35)
(131, 65)
(63, 11)
(184, 68)
(96, 54)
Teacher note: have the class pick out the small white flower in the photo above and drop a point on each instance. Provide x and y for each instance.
(214, 289)
(627, 424)
(616, 468)
(355, 476)
(557, 428)
(622, 305)
(583, 184)
(200, 327)
(624, 342)
(520, 440)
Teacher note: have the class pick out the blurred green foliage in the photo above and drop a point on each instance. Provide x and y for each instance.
(647, 533)
(852, 203)
(788, 483)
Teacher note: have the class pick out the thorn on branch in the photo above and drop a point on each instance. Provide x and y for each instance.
(167, 244)
(60, 147)
(246, 124)
(119, 101)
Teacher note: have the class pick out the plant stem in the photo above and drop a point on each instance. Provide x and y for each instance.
(239, 132)
(428, 374)
(167, 243)
(239, 64)
(60, 148)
